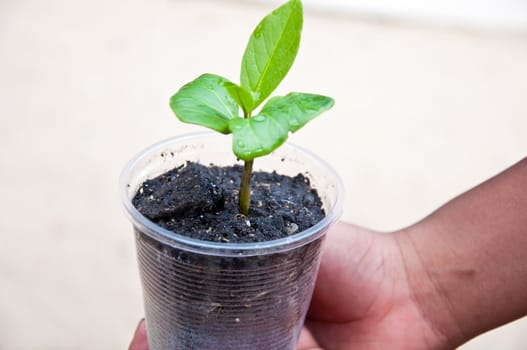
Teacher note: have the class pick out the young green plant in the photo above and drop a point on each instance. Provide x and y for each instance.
(214, 102)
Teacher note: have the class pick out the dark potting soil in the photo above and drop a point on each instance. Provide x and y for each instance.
(202, 202)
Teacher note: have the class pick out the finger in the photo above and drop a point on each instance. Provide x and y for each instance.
(139, 341)
(306, 341)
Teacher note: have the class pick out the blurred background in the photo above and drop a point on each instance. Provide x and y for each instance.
(431, 100)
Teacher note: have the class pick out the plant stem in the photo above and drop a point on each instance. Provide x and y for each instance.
(245, 187)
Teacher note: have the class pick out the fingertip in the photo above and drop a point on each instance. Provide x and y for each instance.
(139, 341)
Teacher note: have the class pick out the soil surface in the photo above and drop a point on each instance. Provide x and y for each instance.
(202, 202)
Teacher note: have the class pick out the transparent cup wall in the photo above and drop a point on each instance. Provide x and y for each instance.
(205, 295)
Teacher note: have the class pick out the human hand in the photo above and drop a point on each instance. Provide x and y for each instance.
(456, 274)
(362, 298)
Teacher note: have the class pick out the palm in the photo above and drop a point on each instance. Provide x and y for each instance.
(362, 299)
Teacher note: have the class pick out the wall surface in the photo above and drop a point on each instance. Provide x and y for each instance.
(482, 14)
(423, 113)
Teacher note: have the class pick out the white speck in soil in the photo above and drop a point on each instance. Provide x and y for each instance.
(291, 228)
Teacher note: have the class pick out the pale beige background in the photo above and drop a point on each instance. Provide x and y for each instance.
(423, 113)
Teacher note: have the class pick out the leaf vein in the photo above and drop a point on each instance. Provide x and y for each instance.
(271, 57)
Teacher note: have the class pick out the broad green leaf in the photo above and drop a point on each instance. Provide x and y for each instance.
(271, 50)
(257, 136)
(206, 102)
(260, 135)
(242, 97)
(297, 108)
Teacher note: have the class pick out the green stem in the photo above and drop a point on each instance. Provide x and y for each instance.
(245, 188)
(245, 185)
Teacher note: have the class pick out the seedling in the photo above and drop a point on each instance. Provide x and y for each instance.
(214, 102)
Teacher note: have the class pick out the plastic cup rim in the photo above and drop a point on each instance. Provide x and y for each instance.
(180, 241)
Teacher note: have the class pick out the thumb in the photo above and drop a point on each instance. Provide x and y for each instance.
(139, 341)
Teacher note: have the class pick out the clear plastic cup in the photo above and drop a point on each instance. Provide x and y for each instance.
(208, 295)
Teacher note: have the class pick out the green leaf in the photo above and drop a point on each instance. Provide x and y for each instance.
(257, 136)
(206, 102)
(271, 50)
(242, 97)
(260, 135)
(297, 108)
